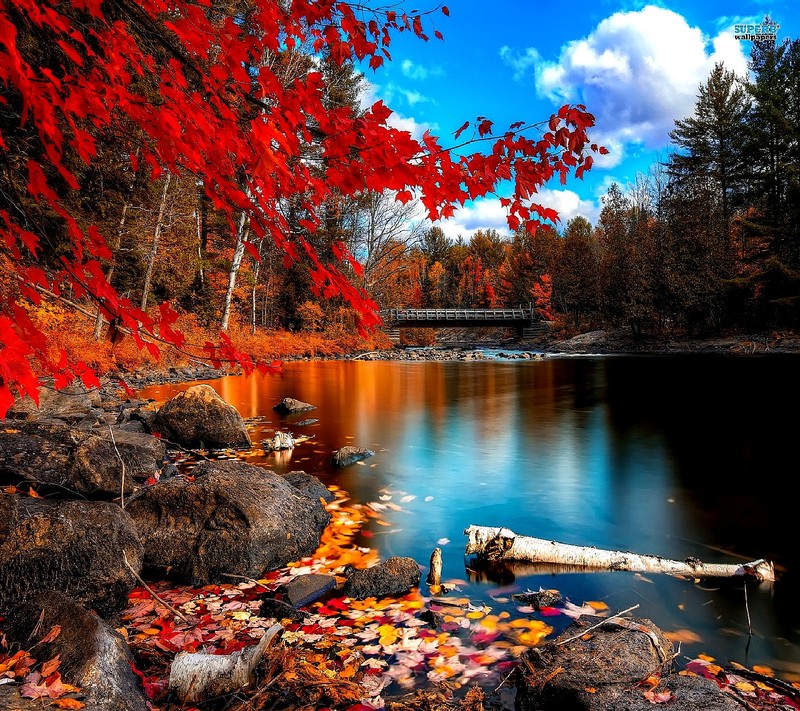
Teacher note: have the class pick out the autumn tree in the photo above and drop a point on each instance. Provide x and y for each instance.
(625, 263)
(186, 90)
(576, 275)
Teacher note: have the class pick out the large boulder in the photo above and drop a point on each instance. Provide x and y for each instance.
(198, 417)
(77, 547)
(233, 518)
(395, 576)
(602, 668)
(90, 464)
(93, 656)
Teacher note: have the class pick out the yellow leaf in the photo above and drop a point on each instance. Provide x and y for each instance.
(714, 669)
(489, 622)
(705, 658)
(413, 604)
(744, 686)
(474, 615)
(388, 635)
(597, 605)
(590, 690)
(68, 703)
(766, 671)
(241, 615)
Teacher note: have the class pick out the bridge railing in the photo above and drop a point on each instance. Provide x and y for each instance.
(400, 315)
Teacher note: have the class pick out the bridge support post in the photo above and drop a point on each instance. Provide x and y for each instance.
(393, 332)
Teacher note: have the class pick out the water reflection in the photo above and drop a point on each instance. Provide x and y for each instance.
(670, 456)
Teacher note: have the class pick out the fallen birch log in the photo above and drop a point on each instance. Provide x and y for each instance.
(198, 676)
(502, 544)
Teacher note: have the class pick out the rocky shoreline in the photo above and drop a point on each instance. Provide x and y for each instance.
(108, 504)
(600, 342)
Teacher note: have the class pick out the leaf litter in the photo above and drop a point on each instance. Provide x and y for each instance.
(349, 654)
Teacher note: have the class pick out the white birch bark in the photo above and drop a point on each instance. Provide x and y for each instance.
(503, 544)
(195, 677)
(236, 262)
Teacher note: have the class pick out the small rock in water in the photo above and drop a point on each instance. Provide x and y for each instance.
(281, 440)
(304, 589)
(538, 600)
(309, 421)
(346, 456)
(289, 405)
(395, 576)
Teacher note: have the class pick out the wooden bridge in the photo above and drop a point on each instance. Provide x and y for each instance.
(520, 318)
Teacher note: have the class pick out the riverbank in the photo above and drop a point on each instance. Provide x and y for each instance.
(489, 347)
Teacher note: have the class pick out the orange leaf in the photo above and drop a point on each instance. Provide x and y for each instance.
(50, 666)
(55, 630)
(69, 703)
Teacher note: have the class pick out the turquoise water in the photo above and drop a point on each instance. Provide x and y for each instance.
(675, 456)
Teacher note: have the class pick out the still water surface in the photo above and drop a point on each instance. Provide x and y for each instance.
(675, 456)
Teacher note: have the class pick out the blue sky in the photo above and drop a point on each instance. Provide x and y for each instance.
(635, 65)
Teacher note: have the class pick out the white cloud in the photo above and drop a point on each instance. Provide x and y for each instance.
(520, 63)
(568, 204)
(636, 72)
(374, 92)
(482, 214)
(488, 213)
(414, 97)
(417, 71)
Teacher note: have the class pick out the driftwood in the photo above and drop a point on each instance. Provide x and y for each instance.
(195, 677)
(503, 544)
(435, 572)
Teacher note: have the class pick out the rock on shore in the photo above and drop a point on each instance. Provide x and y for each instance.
(77, 547)
(233, 518)
(198, 417)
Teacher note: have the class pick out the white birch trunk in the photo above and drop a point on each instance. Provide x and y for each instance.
(503, 544)
(236, 262)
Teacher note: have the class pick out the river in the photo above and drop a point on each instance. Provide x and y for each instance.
(675, 456)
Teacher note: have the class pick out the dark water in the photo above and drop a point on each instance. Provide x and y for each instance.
(675, 456)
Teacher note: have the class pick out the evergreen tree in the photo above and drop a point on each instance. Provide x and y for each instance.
(713, 139)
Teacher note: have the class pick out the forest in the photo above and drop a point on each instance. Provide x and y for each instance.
(706, 241)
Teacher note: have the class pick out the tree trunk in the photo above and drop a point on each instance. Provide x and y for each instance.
(253, 305)
(195, 677)
(151, 260)
(503, 544)
(236, 262)
(98, 321)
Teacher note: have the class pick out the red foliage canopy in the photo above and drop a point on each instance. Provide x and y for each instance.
(187, 82)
